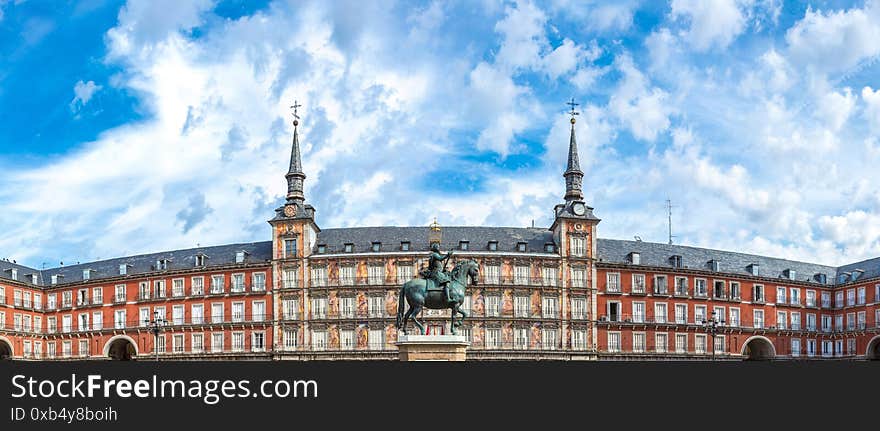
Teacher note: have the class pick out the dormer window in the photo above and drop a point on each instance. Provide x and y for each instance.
(239, 257)
(123, 269)
(35, 278)
(200, 260)
(675, 261)
(521, 246)
(550, 247)
(349, 247)
(162, 264)
(754, 269)
(857, 273)
(820, 278)
(54, 278)
(376, 246)
(322, 248)
(713, 265)
(493, 245)
(87, 274)
(14, 273)
(463, 245)
(404, 246)
(635, 258)
(843, 277)
(790, 274)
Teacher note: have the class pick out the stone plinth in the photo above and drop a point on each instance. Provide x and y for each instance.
(432, 347)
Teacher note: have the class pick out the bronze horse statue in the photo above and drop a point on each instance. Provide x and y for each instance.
(418, 296)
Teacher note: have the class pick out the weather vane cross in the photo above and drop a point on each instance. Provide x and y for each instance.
(572, 104)
(294, 107)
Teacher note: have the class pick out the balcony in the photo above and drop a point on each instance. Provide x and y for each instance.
(289, 284)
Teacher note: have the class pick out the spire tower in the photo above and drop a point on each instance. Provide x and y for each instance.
(573, 174)
(295, 175)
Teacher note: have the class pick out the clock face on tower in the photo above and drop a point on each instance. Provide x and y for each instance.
(579, 208)
(290, 210)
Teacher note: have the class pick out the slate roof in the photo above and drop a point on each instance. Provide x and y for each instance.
(478, 238)
(145, 263)
(656, 254)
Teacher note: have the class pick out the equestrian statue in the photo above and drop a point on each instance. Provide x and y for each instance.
(437, 289)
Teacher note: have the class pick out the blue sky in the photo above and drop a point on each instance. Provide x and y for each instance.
(138, 126)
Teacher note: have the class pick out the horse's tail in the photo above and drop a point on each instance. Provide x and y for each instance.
(400, 305)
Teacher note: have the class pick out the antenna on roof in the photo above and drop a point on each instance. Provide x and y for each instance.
(533, 223)
(669, 218)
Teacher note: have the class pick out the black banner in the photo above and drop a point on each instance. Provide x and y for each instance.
(226, 395)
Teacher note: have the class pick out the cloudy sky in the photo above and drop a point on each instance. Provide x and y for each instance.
(149, 125)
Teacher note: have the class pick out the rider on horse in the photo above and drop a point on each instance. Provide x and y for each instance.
(436, 269)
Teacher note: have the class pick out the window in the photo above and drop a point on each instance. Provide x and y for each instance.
(319, 276)
(681, 287)
(66, 299)
(521, 275)
(795, 296)
(638, 284)
(217, 312)
(348, 248)
(699, 314)
(579, 278)
(579, 308)
(718, 289)
(549, 307)
(521, 306)
(463, 245)
(675, 261)
(838, 299)
(759, 318)
(258, 341)
(681, 315)
(404, 273)
(521, 338)
(67, 348)
(493, 245)
(700, 344)
(197, 314)
(827, 348)
(549, 248)
(838, 322)
(661, 341)
(493, 274)
(638, 309)
(239, 257)
(578, 246)
(38, 324)
(119, 319)
(700, 289)
(681, 343)
(177, 287)
(177, 343)
(659, 284)
(162, 264)
(811, 322)
(811, 347)
(635, 258)
(258, 311)
(578, 339)
(322, 248)
(493, 338)
(826, 323)
(466, 304)
(83, 322)
(719, 344)
(811, 298)
(758, 293)
(780, 295)
(123, 269)
(734, 317)
(346, 339)
(289, 308)
(492, 305)
(376, 306)
(237, 283)
(614, 342)
(638, 342)
(198, 343)
(548, 276)
(218, 284)
(860, 298)
(734, 290)
(119, 293)
(850, 321)
(613, 284)
(521, 247)
(198, 286)
(346, 307)
(851, 346)
(404, 246)
(87, 274)
(826, 300)
(237, 341)
(66, 323)
(217, 342)
(83, 348)
(238, 311)
(613, 311)
(290, 247)
(55, 278)
(850, 297)
(258, 281)
(51, 323)
(781, 318)
(288, 278)
(82, 297)
(50, 302)
(319, 308)
(548, 339)
(291, 340)
(795, 347)
(660, 313)
(795, 321)
(177, 314)
(376, 339)
(376, 274)
(200, 260)
(861, 320)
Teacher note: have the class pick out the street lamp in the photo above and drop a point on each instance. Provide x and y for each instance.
(156, 328)
(711, 326)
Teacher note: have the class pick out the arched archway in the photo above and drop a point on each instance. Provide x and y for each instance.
(6, 351)
(120, 348)
(758, 348)
(873, 352)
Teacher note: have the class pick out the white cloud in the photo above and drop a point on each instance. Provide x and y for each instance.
(596, 15)
(644, 109)
(835, 41)
(872, 107)
(523, 35)
(712, 23)
(82, 93)
(834, 108)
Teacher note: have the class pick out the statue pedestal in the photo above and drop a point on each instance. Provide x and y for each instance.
(432, 347)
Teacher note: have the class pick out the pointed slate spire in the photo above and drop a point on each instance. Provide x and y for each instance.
(295, 175)
(573, 174)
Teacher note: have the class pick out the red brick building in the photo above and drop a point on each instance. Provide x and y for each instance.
(557, 293)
